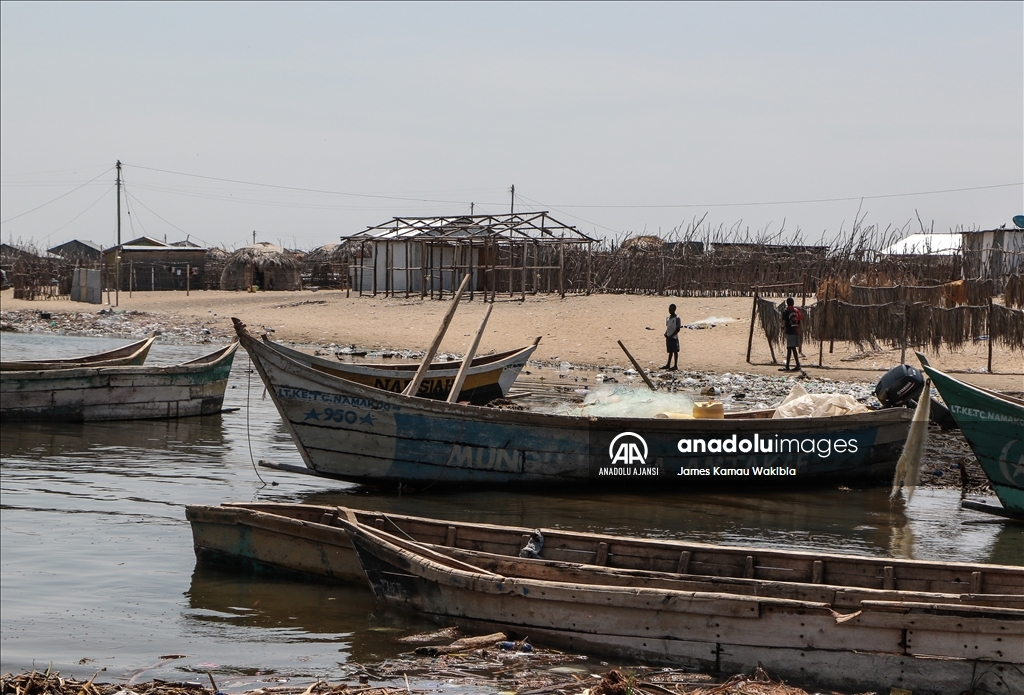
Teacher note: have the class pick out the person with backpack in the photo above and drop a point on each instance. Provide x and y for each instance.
(791, 320)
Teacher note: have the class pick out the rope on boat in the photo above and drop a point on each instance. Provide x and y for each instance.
(248, 437)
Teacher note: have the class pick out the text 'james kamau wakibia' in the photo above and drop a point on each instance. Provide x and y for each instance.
(752, 471)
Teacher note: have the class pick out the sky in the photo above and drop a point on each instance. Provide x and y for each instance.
(617, 118)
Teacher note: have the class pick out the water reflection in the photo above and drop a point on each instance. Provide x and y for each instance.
(196, 436)
(98, 563)
(854, 521)
(228, 604)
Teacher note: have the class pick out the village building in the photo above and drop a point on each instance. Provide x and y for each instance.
(262, 266)
(79, 250)
(149, 264)
(993, 254)
(517, 253)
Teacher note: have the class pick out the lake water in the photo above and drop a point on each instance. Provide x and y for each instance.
(98, 570)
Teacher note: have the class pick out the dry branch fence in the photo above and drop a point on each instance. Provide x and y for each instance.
(714, 263)
(899, 324)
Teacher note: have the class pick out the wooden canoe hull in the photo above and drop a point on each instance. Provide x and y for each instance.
(118, 393)
(349, 431)
(310, 540)
(929, 648)
(993, 425)
(306, 539)
(133, 354)
(489, 376)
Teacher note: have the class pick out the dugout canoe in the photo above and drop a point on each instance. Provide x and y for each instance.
(133, 354)
(118, 393)
(353, 432)
(489, 376)
(993, 424)
(923, 646)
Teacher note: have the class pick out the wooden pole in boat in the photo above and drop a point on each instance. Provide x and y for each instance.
(460, 378)
(643, 374)
(753, 315)
(803, 316)
(903, 338)
(991, 337)
(414, 385)
(117, 256)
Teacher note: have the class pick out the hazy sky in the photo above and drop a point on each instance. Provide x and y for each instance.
(616, 117)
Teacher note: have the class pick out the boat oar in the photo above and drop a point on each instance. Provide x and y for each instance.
(414, 385)
(640, 369)
(909, 465)
(460, 378)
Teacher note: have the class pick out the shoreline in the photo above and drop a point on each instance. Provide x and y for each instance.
(948, 461)
(580, 330)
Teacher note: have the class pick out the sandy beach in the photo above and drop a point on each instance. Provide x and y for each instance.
(578, 329)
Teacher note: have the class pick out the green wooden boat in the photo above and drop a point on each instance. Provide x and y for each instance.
(993, 424)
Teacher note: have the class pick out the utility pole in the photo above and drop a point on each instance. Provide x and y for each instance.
(471, 209)
(117, 251)
(512, 209)
(254, 237)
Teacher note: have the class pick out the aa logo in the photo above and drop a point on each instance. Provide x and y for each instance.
(628, 448)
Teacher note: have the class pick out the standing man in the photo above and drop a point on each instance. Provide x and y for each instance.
(791, 319)
(672, 325)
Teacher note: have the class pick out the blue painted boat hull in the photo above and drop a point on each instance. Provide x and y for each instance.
(357, 433)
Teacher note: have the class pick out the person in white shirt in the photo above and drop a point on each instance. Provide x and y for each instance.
(672, 325)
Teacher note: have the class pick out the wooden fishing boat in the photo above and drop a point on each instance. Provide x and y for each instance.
(306, 538)
(993, 424)
(132, 354)
(928, 647)
(489, 376)
(118, 393)
(354, 432)
(845, 621)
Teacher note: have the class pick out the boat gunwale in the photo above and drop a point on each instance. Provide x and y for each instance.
(550, 534)
(208, 362)
(493, 583)
(875, 418)
(491, 361)
(122, 354)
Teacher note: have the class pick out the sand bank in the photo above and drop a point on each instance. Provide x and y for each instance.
(578, 329)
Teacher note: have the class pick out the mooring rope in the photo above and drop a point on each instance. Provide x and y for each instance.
(248, 437)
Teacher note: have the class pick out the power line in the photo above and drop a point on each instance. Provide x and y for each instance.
(305, 190)
(128, 204)
(157, 216)
(62, 171)
(567, 214)
(104, 195)
(265, 203)
(566, 205)
(57, 198)
(801, 202)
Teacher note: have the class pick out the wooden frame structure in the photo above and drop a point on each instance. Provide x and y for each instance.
(517, 253)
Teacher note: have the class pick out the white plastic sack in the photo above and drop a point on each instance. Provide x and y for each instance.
(799, 403)
(627, 401)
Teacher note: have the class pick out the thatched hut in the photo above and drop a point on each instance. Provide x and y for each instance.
(264, 265)
(326, 267)
(216, 259)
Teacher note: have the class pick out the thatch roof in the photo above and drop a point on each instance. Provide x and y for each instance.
(268, 266)
(328, 253)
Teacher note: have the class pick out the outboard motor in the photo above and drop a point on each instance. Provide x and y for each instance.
(901, 386)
